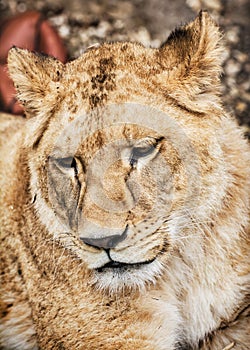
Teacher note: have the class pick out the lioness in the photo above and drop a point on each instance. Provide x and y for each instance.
(125, 201)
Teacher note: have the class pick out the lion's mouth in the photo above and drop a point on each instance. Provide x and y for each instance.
(115, 275)
(123, 266)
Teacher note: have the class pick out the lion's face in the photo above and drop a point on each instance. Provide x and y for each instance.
(121, 164)
(111, 187)
(117, 189)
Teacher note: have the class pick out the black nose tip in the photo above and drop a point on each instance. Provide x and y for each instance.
(105, 242)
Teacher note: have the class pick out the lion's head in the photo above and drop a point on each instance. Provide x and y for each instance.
(123, 149)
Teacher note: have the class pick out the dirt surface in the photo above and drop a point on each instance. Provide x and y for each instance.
(82, 23)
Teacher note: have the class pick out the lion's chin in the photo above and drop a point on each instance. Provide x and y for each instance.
(115, 277)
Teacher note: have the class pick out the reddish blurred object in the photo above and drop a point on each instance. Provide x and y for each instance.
(30, 31)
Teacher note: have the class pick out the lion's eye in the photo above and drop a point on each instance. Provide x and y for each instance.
(144, 148)
(139, 152)
(67, 163)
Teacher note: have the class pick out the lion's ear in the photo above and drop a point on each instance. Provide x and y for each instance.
(35, 78)
(192, 56)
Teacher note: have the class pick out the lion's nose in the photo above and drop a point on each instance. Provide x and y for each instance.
(105, 242)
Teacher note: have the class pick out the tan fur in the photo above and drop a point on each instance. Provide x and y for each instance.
(160, 179)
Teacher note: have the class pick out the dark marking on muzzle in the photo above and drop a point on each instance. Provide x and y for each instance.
(105, 242)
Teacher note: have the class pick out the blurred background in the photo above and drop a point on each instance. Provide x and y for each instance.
(82, 23)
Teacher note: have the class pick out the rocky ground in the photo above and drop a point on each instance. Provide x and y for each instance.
(82, 23)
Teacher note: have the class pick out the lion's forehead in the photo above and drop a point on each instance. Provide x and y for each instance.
(107, 59)
(109, 73)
